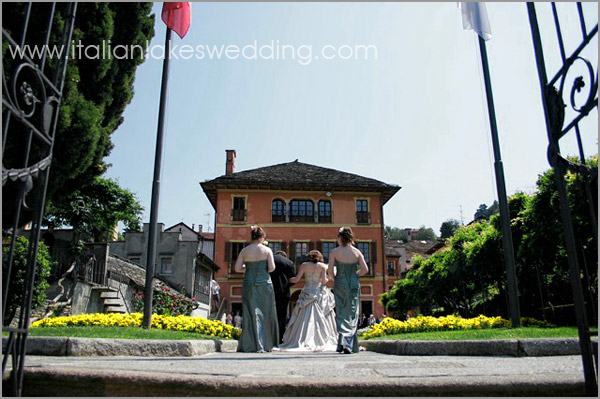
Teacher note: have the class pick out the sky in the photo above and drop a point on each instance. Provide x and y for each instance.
(411, 113)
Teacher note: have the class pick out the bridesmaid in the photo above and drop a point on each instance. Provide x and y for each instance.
(260, 332)
(350, 264)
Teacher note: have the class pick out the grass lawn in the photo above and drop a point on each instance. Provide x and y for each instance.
(113, 332)
(154, 333)
(495, 333)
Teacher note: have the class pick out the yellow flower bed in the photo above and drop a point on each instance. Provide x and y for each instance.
(389, 326)
(178, 323)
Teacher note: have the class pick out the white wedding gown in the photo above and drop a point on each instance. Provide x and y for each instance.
(312, 323)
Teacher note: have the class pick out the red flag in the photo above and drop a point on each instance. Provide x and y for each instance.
(177, 16)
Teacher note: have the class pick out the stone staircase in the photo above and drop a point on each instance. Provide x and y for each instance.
(112, 300)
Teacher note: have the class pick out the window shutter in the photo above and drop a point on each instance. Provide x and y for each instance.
(227, 252)
(284, 247)
(292, 251)
(373, 252)
(311, 246)
(320, 246)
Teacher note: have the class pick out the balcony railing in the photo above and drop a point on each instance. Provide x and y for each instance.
(326, 218)
(238, 215)
(363, 217)
(302, 218)
(232, 272)
(277, 218)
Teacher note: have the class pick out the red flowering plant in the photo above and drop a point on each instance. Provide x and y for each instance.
(166, 301)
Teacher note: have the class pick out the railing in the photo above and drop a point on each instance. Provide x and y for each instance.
(238, 215)
(232, 272)
(363, 217)
(302, 218)
(277, 218)
(92, 271)
(326, 218)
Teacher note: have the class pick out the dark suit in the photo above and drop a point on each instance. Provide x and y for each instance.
(284, 270)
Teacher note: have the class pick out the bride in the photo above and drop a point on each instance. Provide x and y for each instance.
(312, 323)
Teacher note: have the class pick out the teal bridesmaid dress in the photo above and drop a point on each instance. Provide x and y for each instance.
(260, 331)
(346, 289)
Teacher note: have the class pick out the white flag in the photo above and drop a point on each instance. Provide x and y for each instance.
(474, 16)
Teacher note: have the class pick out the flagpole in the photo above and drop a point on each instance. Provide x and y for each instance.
(507, 242)
(152, 232)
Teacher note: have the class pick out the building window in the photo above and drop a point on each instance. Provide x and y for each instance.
(202, 285)
(325, 211)
(275, 246)
(301, 252)
(232, 251)
(365, 248)
(327, 248)
(391, 269)
(362, 212)
(238, 213)
(278, 211)
(236, 248)
(166, 265)
(136, 260)
(302, 211)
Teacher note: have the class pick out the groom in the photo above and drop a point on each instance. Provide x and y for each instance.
(284, 270)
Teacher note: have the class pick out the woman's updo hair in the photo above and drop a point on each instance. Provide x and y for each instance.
(346, 235)
(256, 232)
(315, 256)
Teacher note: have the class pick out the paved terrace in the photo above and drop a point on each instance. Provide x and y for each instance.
(97, 367)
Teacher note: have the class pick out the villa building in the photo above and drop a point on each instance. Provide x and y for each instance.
(301, 207)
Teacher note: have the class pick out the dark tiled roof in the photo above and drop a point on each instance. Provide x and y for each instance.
(393, 247)
(297, 176)
(207, 236)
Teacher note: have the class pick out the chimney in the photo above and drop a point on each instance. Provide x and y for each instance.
(199, 228)
(230, 164)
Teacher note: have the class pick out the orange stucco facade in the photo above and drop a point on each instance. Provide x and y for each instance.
(231, 235)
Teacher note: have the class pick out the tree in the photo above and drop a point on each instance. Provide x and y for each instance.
(96, 89)
(483, 212)
(469, 276)
(95, 209)
(449, 227)
(395, 233)
(18, 272)
(426, 234)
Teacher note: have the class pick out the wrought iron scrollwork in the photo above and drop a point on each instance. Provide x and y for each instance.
(578, 80)
(582, 86)
(31, 94)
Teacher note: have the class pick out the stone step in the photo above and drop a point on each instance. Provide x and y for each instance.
(113, 302)
(109, 295)
(115, 309)
(102, 288)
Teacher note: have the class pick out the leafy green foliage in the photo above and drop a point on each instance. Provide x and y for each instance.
(469, 276)
(395, 233)
(448, 228)
(16, 288)
(485, 212)
(95, 209)
(167, 302)
(96, 91)
(425, 233)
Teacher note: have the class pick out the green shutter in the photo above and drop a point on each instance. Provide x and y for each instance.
(227, 252)
(373, 252)
(292, 251)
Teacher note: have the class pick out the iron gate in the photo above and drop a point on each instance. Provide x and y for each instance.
(32, 83)
(577, 82)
